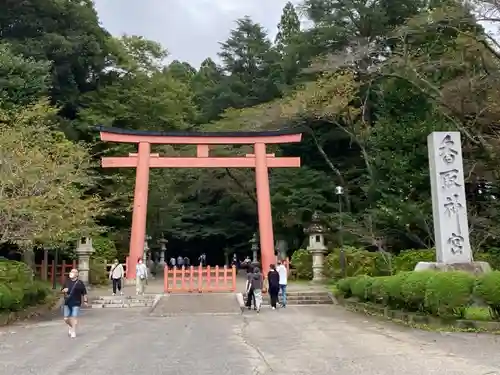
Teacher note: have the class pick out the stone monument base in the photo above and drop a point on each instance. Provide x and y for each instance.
(474, 267)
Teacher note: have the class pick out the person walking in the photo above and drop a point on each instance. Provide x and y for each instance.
(257, 283)
(283, 272)
(273, 279)
(141, 277)
(172, 263)
(180, 261)
(74, 291)
(249, 289)
(202, 259)
(116, 274)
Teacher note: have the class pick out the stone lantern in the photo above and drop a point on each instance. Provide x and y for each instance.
(255, 247)
(316, 232)
(163, 248)
(84, 250)
(145, 254)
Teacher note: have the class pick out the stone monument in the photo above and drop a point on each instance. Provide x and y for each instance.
(83, 251)
(316, 232)
(282, 248)
(451, 228)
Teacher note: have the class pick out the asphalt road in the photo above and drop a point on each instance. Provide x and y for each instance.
(298, 340)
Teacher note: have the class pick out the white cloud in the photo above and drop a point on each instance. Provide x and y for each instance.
(190, 29)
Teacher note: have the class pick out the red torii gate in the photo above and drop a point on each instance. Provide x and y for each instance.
(144, 159)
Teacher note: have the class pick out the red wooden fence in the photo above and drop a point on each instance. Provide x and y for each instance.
(199, 279)
(61, 273)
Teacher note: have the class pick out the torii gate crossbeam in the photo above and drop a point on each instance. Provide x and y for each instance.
(143, 160)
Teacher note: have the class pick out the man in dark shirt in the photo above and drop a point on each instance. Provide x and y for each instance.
(74, 291)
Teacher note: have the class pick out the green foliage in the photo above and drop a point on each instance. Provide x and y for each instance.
(44, 180)
(23, 81)
(492, 257)
(105, 248)
(18, 290)
(98, 274)
(408, 259)
(448, 294)
(15, 272)
(358, 262)
(487, 289)
(302, 263)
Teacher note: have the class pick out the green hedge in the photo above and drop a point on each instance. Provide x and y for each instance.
(444, 294)
(487, 289)
(18, 290)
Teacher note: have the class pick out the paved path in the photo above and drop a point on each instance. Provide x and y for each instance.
(296, 340)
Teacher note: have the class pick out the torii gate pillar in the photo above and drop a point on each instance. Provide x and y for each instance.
(140, 211)
(264, 207)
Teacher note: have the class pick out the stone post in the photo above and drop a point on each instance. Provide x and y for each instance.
(255, 248)
(316, 246)
(163, 249)
(145, 254)
(83, 251)
(449, 208)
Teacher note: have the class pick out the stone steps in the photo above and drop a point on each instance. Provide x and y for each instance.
(303, 298)
(100, 302)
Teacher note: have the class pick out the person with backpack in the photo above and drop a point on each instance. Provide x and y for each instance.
(74, 291)
(116, 274)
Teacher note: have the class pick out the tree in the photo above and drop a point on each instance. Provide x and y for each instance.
(140, 93)
(181, 71)
(43, 181)
(135, 54)
(288, 28)
(250, 62)
(68, 34)
(23, 81)
(210, 91)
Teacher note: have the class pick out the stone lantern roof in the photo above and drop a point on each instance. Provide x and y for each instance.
(315, 227)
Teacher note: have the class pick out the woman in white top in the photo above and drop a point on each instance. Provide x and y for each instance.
(115, 275)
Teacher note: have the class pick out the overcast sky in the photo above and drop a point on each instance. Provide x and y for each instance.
(190, 29)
